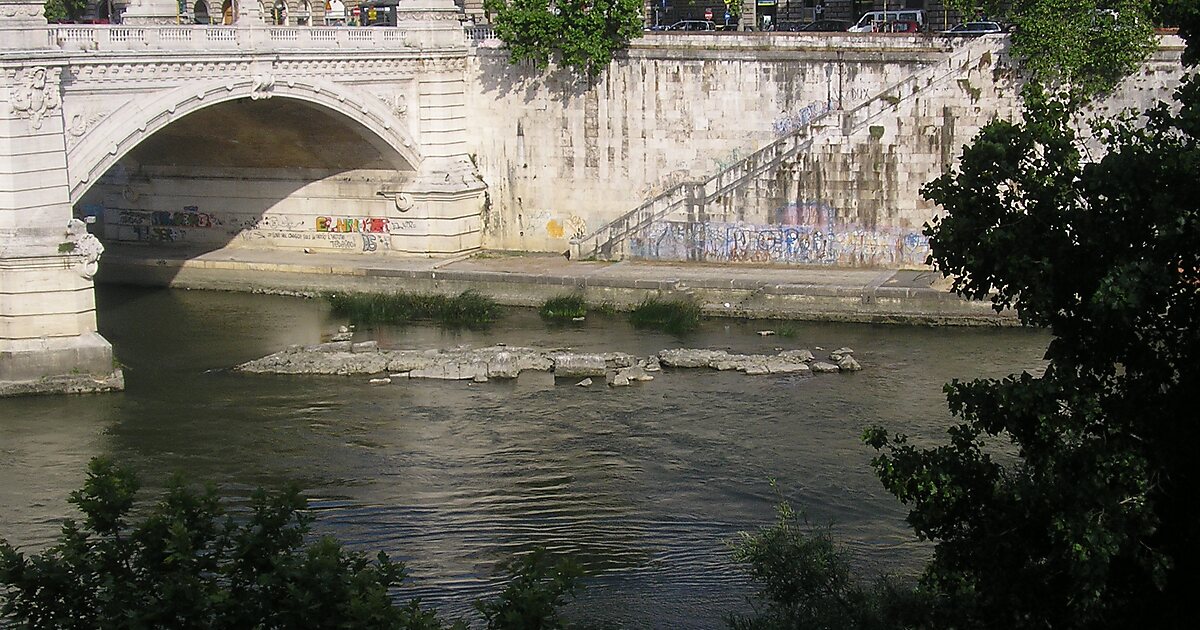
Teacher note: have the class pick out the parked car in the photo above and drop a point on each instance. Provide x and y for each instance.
(871, 21)
(971, 29)
(825, 26)
(693, 25)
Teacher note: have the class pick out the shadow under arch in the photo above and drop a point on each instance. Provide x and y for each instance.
(250, 164)
(373, 120)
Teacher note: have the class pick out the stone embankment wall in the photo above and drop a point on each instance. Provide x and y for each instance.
(563, 159)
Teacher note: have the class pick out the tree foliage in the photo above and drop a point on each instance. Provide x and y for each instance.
(188, 564)
(62, 10)
(804, 581)
(538, 587)
(580, 34)
(1067, 500)
(1081, 46)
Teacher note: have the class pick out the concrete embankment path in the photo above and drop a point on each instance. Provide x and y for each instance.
(809, 293)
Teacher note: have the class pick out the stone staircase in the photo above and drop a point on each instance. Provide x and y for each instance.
(695, 201)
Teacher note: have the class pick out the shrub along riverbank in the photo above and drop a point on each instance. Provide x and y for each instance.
(475, 310)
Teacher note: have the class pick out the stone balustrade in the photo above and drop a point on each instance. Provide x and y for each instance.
(119, 38)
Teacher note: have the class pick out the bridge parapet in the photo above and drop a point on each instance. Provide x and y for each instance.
(243, 39)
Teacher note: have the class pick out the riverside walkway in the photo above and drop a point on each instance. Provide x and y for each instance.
(528, 279)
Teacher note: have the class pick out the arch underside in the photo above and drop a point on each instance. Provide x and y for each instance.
(269, 166)
(252, 122)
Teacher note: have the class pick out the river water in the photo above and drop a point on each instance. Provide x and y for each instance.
(646, 485)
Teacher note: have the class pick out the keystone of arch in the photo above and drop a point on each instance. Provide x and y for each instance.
(133, 122)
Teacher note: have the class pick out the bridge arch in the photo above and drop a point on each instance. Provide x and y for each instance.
(377, 122)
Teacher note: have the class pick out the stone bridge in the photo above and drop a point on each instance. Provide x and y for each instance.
(379, 141)
(215, 136)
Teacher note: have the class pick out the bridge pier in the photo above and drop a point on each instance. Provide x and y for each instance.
(48, 338)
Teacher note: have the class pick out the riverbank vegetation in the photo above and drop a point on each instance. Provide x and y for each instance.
(675, 315)
(1078, 47)
(803, 579)
(469, 309)
(187, 563)
(564, 307)
(1092, 523)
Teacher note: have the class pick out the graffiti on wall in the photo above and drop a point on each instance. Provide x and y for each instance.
(189, 217)
(371, 225)
(799, 119)
(808, 234)
(150, 234)
(573, 227)
(362, 234)
(157, 226)
(787, 244)
(729, 159)
(814, 213)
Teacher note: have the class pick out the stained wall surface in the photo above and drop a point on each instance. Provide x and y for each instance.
(563, 158)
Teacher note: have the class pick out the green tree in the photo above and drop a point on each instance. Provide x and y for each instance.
(1067, 500)
(59, 10)
(188, 565)
(1081, 46)
(581, 34)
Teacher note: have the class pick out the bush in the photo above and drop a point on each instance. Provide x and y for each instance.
(804, 581)
(187, 564)
(468, 309)
(537, 587)
(678, 315)
(564, 307)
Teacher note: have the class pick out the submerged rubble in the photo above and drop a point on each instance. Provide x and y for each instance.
(504, 362)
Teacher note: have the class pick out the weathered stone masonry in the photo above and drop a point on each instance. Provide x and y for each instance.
(879, 116)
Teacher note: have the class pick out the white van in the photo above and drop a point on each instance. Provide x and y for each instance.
(871, 19)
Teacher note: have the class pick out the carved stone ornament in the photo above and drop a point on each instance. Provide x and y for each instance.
(264, 86)
(80, 124)
(86, 246)
(35, 95)
(397, 104)
(23, 12)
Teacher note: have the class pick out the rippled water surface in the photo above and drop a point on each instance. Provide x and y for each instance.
(646, 485)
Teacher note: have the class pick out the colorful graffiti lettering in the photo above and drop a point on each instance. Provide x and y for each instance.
(793, 244)
(351, 224)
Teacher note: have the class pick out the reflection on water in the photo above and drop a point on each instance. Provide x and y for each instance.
(646, 484)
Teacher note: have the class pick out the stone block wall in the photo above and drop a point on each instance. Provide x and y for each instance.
(851, 198)
(562, 158)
